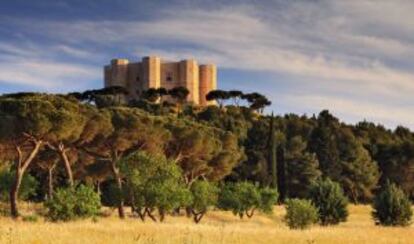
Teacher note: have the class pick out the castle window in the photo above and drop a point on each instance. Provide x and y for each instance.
(137, 79)
(169, 76)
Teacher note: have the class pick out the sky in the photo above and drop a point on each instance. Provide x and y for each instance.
(355, 57)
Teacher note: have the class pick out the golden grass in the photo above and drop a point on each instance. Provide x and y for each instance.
(216, 227)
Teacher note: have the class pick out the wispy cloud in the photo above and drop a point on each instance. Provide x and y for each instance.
(360, 48)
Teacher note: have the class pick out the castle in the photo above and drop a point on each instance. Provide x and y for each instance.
(153, 72)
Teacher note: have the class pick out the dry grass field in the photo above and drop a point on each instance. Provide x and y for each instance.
(217, 227)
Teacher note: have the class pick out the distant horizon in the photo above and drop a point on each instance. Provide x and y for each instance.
(353, 58)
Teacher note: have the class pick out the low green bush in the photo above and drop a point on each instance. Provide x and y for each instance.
(300, 213)
(72, 203)
(392, 207)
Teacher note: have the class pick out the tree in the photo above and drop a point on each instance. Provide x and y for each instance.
(205, 195)
(202, 152)
(235, 95)
(105, 97)
(180, 94)
(244, 198)
(218, 95)
(129, 130)
(154, 182)
(329, 198)
(257, 101)
(271, 145)
(392, 207)
(152, 95)
(27, 123)
(71, 120)
(301, 168)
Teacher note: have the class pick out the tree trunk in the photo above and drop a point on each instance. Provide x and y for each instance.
(249, 215)
(161, 211)
(188, 212)
(66, 163)
(198, 216)
(50, 182)
(149, 213)
(14, 191)
(21, 166)
(117, 176)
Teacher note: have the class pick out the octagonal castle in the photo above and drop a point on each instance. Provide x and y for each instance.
(153, 72)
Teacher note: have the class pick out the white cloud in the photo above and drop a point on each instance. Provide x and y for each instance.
(364, 47)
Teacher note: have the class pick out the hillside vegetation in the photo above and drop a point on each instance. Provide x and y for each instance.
(76, 155)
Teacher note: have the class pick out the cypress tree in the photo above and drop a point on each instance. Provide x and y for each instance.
(271, 147)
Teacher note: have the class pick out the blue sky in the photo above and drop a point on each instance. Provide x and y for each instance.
(355, 58)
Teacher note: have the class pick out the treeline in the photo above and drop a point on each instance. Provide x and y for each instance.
(95, 138)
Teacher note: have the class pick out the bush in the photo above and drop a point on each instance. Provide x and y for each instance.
(392, 207)
(330, 200)
(300, 214)
(268, 198)
(72, 203)
(27, 189)
(243, 198)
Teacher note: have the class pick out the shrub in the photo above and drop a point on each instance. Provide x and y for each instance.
(71, 203)
(300, 213)
(27, 189)
(243, 198)
(330, 200)
(392, 207)
(268, 198)
(30, 218)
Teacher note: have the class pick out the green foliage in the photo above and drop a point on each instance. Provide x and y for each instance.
(268, 198)
(243, 198)
(153, 182)
(330, 200)
(300, 213)
(392, 207)
(205, 195)
(302, 168)
(28, 188)
(72, 203)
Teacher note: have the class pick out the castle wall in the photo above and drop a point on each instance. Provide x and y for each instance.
(135, 80)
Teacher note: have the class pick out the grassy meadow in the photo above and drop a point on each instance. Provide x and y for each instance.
(216, 227)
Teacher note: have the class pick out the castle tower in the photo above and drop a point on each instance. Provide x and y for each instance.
(208, 82)
(117, 73)
(188, 70)
(151, 72)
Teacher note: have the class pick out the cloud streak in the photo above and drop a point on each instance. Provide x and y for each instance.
(362, 48)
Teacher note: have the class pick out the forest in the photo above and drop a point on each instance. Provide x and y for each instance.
(162, 154)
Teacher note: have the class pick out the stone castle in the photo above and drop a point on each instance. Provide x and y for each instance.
(153, 72)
